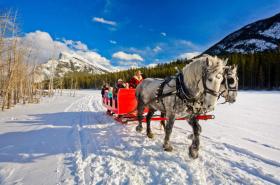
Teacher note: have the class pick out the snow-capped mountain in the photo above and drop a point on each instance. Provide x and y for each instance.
(259, 36)
(68, 62)
(73, 62)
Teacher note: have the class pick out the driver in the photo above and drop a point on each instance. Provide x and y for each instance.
(136, 79)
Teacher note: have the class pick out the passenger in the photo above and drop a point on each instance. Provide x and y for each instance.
(120, 84)
(104, 89)
(136, 79)
(110, 95)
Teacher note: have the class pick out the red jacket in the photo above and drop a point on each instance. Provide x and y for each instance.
(134, 81)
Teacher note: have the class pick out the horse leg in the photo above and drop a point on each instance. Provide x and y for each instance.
(193, 149)
(140, 110)
(168, 129)
(162, 122)
(148, 120)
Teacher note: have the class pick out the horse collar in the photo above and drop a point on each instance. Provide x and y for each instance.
(182, 91)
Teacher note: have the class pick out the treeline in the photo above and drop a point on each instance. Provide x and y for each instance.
(255, 71)
(86, 80)
(258, 70)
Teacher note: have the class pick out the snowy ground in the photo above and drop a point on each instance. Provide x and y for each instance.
(70, 140)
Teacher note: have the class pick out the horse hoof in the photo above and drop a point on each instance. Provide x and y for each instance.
(167, 148)
(150, 135)
(139, 128)
(193, 152)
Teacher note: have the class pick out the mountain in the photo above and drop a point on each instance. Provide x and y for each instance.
(66, 63)
(262, 35)
(74, 62)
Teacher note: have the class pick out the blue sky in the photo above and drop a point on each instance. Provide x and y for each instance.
(124, 30)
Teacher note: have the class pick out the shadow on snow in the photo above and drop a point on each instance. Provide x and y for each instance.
(56, 135)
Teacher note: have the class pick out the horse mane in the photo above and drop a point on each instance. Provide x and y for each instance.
(193, 71)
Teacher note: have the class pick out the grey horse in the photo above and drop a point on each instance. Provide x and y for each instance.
(200, 81)
(228, 89)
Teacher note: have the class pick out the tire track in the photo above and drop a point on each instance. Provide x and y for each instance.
(80, 152)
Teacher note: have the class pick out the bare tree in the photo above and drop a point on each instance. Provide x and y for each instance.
(16, 72)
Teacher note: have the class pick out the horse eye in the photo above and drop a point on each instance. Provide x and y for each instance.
(210, 79)
(230, 81)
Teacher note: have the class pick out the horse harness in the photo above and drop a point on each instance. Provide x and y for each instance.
(183, 93)
(182, 90)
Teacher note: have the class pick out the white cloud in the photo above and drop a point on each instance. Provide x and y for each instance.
(152, 65)
(43, 48)
(127, 63)
(93, 56)
(67, 42)
(78, 45)
(163, 34)
(124, 65)
(113, 42)
(169, 49)
(126, 56)
(104, 21)
(189, 55)
(164, 52)
(186, 43)
(157, 49)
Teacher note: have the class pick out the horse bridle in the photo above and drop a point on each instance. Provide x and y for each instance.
(227, 81)
(206, 89)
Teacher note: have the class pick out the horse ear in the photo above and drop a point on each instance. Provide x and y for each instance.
(208, 63)
(225, 61)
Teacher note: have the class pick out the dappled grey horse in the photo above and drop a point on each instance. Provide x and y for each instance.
(228, 89)
(198, 82)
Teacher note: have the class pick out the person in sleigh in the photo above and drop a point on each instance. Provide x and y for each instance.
(136, 79)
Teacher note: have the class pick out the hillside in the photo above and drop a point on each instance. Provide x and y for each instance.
(260, 36)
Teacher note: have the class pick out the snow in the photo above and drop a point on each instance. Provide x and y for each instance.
(273, 31)
(81, 61)
(70, 140)
(260, 45)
